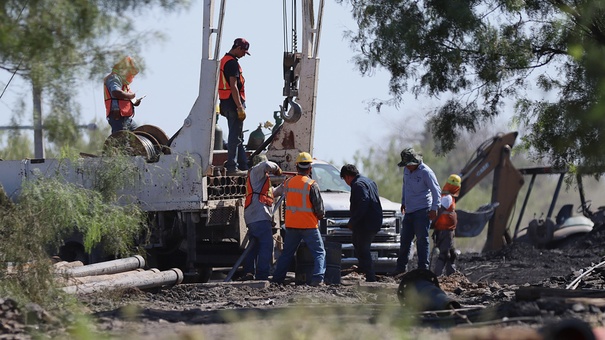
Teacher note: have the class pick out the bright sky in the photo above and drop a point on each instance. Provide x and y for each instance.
(171, 79)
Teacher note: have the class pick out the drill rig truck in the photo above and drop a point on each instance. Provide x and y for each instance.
(195, 210)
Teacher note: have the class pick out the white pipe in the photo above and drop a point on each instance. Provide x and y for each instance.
(107, 267)
(143, 280)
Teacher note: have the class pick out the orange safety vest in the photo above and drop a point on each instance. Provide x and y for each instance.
(446, 220)
(224, 88)
(299, 209)
(125, 105)
(265, 196)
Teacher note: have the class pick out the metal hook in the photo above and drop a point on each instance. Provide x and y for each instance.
(294, 113)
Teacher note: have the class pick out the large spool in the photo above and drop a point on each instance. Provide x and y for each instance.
(146, 141)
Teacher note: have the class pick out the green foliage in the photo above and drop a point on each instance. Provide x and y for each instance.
(63, 208)
(47, 211)
(478, 55)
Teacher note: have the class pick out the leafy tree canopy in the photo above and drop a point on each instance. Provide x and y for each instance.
(545, 55)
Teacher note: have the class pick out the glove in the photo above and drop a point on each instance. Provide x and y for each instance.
(278, 172)
(241, 113)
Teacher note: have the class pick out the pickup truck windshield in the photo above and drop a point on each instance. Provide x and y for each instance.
(328, 178)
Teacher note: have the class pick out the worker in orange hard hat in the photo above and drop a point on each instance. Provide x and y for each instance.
(445, 226)
(119, 99)
(304, 209)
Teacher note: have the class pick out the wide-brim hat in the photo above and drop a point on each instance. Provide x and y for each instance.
(409, 157)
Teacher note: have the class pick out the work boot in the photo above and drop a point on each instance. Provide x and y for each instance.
(317, 284)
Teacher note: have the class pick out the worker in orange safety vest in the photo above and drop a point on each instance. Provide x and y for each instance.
(304, 209)
(119, 99)
(258, 213)
(232, 96)
(445, 226)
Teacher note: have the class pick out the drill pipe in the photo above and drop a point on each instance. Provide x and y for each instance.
(143, 280)
(74, 281)
(107, 267)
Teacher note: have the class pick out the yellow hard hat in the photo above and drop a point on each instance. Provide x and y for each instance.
(454, 180)
(303, 160)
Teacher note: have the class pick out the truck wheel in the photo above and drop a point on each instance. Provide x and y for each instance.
(541, 231)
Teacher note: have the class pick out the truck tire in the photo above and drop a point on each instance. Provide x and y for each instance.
(541, 232)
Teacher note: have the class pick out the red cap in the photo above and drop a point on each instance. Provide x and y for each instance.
(243, 43)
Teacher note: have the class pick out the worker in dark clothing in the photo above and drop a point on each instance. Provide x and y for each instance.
(366, 216)
(232, 96)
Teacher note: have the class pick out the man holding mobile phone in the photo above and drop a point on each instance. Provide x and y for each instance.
(119, 99)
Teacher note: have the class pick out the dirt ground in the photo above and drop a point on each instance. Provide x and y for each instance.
(519, 286)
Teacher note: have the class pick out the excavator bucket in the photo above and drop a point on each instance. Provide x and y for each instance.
(471, 224)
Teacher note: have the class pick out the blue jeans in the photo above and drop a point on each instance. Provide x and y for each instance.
(362, 243)
(416, 224)
(312, 238)
(124, 123)
(236, 154)
(261, 253)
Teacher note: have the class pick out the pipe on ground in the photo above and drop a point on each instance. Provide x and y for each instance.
(72, 281)
(107, 267)
(143, 280)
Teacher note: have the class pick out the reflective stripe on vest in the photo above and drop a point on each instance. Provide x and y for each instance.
(224, 88)
(265, 196)
(125, 105)
(299, 209)
(445, 221)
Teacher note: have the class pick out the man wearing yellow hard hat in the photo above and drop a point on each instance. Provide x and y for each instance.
(304, 209)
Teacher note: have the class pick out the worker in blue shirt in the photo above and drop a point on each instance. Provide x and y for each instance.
(420, 195)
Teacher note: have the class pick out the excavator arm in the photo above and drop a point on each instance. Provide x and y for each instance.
(494, 156)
